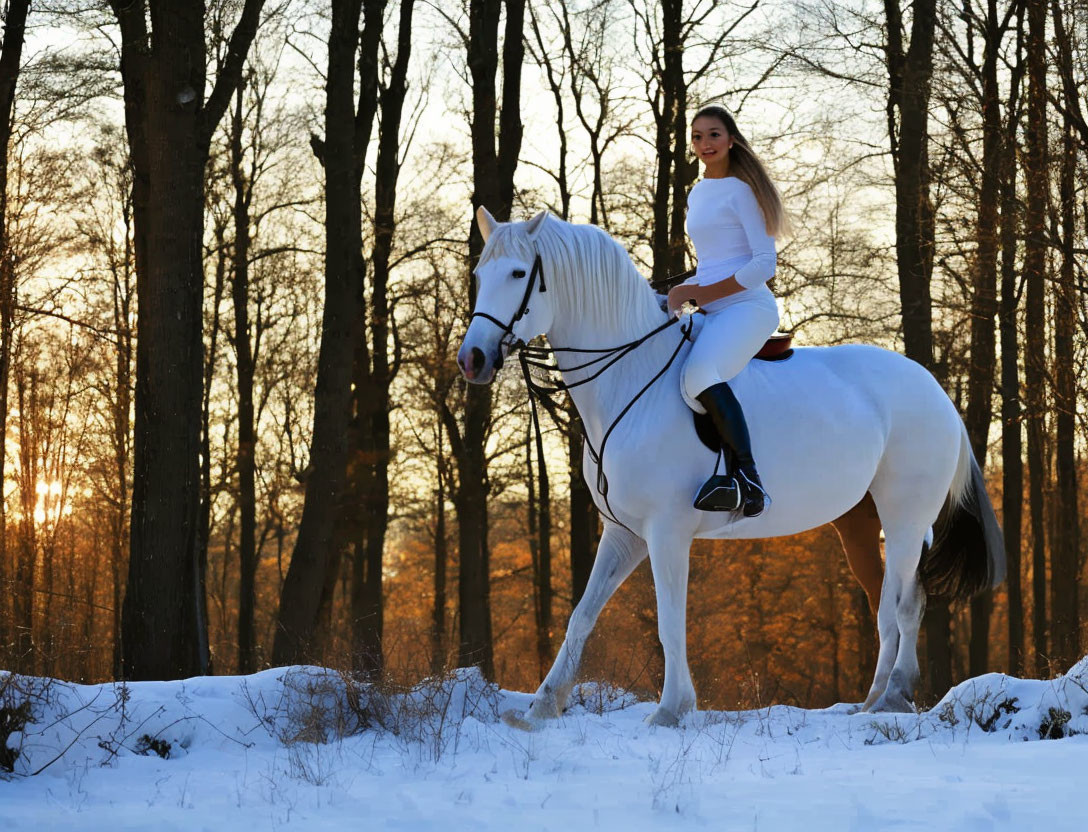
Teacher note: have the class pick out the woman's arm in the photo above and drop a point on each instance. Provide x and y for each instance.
(761, 267)
(702, 295)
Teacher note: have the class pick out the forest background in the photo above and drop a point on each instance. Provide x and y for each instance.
(234, 272)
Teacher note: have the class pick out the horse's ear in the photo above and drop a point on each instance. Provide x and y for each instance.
(486, 222)
(536, 223)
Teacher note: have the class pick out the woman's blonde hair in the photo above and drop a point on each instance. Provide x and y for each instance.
(746, 165)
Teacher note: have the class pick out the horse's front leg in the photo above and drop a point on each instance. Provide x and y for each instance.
(618, 553)
(669, 551)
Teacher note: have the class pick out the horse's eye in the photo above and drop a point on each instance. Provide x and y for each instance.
(519, 272)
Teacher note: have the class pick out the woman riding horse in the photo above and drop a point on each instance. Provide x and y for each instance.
(734, 214)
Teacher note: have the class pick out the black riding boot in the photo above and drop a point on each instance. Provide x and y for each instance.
(739, 487)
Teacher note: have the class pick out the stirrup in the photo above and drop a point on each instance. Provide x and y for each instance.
(753, 490)
(719, 493)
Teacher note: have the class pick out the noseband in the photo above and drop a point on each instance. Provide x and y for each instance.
(509, 339)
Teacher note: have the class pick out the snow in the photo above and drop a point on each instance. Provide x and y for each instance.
(288, 748)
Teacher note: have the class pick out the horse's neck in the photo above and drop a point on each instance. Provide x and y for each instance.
(601, 400)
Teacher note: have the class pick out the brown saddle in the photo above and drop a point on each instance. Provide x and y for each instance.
(778, 346)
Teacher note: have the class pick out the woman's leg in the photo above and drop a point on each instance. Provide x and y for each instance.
(726, 344)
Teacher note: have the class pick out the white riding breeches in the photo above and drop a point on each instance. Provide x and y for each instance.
(728, 340)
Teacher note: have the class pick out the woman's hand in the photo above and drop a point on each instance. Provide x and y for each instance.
(679, 295)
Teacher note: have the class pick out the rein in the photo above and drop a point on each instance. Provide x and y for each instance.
(537, 357)
(538, 391)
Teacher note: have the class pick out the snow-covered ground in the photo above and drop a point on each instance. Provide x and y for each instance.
(286, 748)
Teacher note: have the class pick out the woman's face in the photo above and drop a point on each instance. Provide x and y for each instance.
(710, 140)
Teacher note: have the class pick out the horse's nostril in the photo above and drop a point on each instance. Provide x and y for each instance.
(477, 359)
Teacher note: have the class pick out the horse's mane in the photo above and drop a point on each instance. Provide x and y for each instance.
(589, 272)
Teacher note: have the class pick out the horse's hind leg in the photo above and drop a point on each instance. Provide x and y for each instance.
(618, 553)
(908, 490)
(888, 629)
(902, 599)
(859, 531)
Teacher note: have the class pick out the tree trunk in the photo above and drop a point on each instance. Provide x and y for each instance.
(540, 523)
(441, 559)
(1011, 442)
(247, 439)
(26, 567)
(555, 85)
(169, 124)
(373, 382)
(510, 129)
(532, 516)
(311, 576)
(1065, 545)
(1065, 623)
(1034, 270)
(544, 573)
(10, 59)
(668, 105)
(218, 287)
(682, 173)
(8, 299)
(493, 185)
(123, 298)
(980, 379)
(910, 75)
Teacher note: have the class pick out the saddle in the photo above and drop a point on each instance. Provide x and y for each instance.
(779, 347)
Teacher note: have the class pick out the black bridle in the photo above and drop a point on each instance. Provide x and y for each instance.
(606, 356)
(509, 339)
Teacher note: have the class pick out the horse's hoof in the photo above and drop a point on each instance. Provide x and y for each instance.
(870, 700)
(892, 702)
(847, 708)
(522, 721)
(541, 710)
(663, 716)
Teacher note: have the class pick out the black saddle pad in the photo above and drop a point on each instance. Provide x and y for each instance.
(704, 427)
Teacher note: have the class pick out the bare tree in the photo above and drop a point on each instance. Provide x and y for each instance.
(374, 373)
(1065, 538)
(10, 60)
(307, 589)
(170, 126)
(1036, 182)
(492, 186)
(106, 229)
(980, 380)
(1011, 430)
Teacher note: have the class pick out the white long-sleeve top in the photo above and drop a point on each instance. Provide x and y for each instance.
(730, 235)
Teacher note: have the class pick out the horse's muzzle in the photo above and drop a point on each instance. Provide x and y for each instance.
(475, 367)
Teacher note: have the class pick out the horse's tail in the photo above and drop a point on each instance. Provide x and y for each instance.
(967, 554)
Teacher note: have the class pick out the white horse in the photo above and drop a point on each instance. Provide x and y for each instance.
(830, 426)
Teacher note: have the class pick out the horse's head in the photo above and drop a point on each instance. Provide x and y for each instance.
(512, 303)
